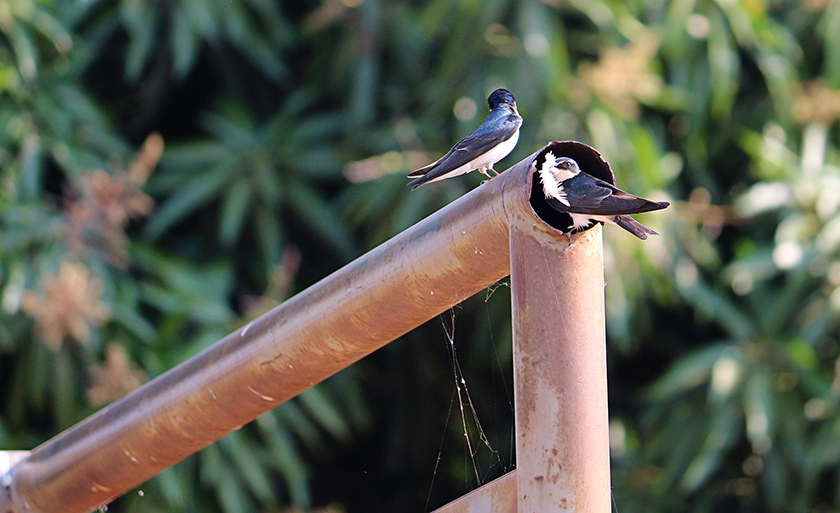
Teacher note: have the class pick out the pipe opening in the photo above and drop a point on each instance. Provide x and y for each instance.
(589, 161)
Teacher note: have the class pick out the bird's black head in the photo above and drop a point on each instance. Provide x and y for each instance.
(499, 97)
(567, 164)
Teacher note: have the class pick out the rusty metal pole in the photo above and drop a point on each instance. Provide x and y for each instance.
(560, 375)
(394, 288)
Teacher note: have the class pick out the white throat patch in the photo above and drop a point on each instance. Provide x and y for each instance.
(551, 186)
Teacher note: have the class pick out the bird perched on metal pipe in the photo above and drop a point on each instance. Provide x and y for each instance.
(588, 200)
(492, 141)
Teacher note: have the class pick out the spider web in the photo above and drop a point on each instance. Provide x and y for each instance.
(473, 433)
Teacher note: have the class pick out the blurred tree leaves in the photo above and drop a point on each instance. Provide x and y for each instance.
(173, 35)
(255, 172)
(285, 131)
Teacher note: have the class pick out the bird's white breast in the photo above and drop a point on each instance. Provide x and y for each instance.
(485, 160)
(496, 154)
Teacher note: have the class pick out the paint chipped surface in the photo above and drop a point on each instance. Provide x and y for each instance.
(96, 487)
(130, 456)
(263, 396)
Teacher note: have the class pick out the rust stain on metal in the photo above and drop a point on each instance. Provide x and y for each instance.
(559, 356)
(560, 370)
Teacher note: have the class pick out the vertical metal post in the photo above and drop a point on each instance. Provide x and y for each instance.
(560, 378)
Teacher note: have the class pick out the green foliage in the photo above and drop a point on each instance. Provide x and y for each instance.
(288, 129)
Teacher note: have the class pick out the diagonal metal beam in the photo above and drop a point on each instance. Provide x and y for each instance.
(397, 286)
(406, 281)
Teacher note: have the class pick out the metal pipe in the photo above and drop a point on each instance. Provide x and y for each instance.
(560, 371)
(497, 496)
(406, 281)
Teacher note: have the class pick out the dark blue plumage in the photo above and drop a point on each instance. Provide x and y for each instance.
(492, 141)
(588, 199)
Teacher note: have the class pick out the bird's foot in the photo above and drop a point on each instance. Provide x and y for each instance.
(484, 172)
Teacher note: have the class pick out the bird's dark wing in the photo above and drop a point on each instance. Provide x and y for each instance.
(589, 195)
(497, 128)
(422, 171)
(556, 204)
